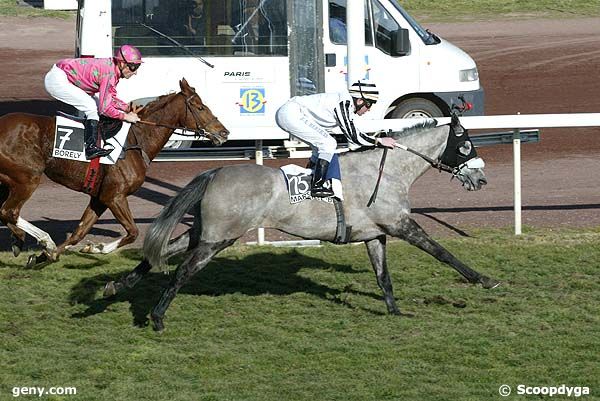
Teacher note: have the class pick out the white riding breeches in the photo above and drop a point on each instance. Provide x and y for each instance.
(292, 118)
(58, 86)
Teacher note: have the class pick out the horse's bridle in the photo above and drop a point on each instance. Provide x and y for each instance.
(195, 114)
(452, 160)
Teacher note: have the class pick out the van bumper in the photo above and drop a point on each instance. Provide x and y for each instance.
(476, 98)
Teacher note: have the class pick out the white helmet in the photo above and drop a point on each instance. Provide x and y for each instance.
(365, 90)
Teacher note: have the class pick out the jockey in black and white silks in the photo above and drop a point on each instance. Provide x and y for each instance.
(310, 118)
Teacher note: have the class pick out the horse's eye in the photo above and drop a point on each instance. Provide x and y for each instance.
(465, 148)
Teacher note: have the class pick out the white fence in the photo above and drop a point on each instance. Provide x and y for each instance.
(513, 122)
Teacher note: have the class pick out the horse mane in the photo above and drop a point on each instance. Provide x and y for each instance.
(413, 129)
(157, 104)
(403, 133)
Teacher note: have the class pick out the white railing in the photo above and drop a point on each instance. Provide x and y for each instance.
(514, 122)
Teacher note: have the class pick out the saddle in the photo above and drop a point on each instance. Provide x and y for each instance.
(298, 182)
(107, 126)
(69, 137)
(69, 144)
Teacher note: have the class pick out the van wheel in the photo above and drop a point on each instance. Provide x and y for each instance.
(417, 108)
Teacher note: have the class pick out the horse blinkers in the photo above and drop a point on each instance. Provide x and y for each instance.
(459, 148)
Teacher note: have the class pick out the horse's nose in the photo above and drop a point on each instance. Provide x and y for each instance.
(222, 136)
(482, 182)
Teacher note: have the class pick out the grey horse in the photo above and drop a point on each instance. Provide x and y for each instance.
(229, 201)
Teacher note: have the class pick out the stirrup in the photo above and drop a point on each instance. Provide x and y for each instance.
(94, 152)
(322, 191)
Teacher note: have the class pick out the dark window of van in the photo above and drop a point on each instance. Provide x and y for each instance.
(384, 26)
(337, 23)
(206, 27)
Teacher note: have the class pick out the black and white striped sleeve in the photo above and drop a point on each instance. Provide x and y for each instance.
(344, 117)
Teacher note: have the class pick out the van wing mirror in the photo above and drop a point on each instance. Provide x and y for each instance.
(400, 42)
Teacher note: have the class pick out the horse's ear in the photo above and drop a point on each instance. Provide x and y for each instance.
(183, 84)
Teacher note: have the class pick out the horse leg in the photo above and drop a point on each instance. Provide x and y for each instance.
(176, 245)
(90, 216)
(120, 209)
(12, 199)
(129, 281)
(195, 261)
(376, 251)
(412, 233)
(17, 235)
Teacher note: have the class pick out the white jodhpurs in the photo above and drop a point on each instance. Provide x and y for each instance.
(292, 118)
(58, 86)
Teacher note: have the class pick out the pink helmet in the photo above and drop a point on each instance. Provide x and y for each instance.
(128, 54)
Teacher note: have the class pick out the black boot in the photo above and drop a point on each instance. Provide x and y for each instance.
(91, 139)
(321, 188)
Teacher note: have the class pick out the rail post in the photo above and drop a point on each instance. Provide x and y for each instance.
(517, 179)
(258, 155)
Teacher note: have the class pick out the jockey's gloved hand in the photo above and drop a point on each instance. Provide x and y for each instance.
(131, 117)
(387, 142)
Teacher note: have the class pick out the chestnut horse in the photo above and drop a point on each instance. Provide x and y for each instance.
(26, 143)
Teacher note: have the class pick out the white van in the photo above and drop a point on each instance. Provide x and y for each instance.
(265, 51)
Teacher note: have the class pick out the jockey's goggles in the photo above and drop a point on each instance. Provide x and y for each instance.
(133, 66)
(368, 103)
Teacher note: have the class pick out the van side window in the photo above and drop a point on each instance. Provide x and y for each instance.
(206, 27)
(337, 23)
(384, 26)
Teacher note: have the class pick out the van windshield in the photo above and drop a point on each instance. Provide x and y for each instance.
(427, 37)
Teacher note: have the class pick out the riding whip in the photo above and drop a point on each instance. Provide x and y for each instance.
(381, 164)
(170, 39)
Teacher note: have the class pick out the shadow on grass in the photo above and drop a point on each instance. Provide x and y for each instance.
(254, 275)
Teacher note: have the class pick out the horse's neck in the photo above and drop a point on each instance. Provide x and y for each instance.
(151, 138)
(430, 143)
(401, 167)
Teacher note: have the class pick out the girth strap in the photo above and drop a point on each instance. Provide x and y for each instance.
(90, 184)
(342, 231)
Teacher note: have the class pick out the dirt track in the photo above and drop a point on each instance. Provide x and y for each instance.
(547, 66)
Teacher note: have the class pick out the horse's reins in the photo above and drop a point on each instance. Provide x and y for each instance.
(184, 130)
(198, 131)
(173, 127)
(434, 163)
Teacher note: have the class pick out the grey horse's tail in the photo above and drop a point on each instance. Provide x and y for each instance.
(159, 233)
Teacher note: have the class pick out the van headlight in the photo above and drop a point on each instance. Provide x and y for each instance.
(468, 75)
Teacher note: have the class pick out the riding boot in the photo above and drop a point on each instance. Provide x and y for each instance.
(90, 136)
(321, 187)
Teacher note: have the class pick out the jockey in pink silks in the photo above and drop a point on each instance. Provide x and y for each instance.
(75, 81)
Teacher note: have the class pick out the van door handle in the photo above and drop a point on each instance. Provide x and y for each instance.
(330, 60)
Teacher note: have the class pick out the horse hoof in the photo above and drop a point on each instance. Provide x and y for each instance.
(157, 323)
(51, 256)
(92, 248)
(489, 283)
(109, 289)
(38, 262)
(17, 246)
(30, 262)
